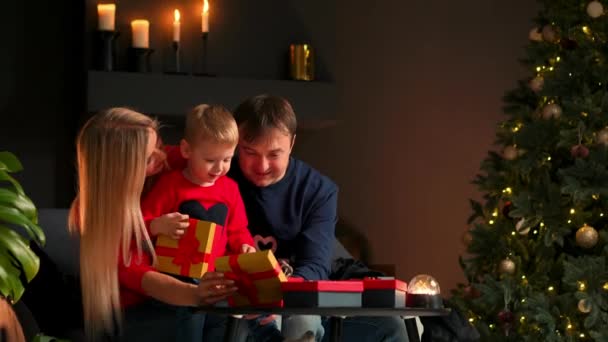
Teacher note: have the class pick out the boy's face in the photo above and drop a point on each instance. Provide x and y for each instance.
(265, 160)
(207, 161)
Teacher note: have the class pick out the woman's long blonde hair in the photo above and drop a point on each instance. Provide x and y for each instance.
(111, 155)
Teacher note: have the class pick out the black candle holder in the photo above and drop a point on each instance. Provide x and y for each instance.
(105, 57)
(203, 61)
(139, 59)
(175, 60)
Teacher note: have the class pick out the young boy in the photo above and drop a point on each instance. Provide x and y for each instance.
(201, 191)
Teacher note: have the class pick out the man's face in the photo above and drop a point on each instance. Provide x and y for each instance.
(264, 161)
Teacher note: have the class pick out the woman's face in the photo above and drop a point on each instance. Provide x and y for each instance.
(155, 155)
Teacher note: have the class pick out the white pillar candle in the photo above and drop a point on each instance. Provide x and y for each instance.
(205, 22)
(176, 26)
(105, 17)
(140, 33)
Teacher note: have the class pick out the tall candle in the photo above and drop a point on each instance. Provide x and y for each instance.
(205, 22)
(105, 14)
(140, 33)
(176, 26)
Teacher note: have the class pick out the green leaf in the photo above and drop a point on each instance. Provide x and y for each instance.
(9, 162)
(13, 216)
(4, 176)
(15, 247)
(20, 202)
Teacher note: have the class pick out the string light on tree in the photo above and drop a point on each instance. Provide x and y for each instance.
(586, 237)
(595, 9)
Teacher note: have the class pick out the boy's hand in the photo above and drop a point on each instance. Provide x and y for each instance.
(245, 248)
(173, 225)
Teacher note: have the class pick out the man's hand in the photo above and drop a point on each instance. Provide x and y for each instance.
(245, 248)
(173, 225)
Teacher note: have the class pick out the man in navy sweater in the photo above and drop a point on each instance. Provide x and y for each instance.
(292, 209)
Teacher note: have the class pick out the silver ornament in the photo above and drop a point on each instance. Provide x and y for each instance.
(536, 84)
(602, 136)
(509, 152)
(521, 227)
(506, 266)
(595, 9)
(552, 110)
(584, 306)
(535, 35)
(549, 34)
(586, 237)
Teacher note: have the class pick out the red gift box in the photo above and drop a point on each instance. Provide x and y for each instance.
(322, 293)
(384, 293)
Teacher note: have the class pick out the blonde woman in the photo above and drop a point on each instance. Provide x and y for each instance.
(115, 152)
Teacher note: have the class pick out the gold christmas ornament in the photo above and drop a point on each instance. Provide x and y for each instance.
(549, 34)
(584, 306)
(595, 9)
(602, 136)
(552, 110)
(535, 35)
(521, 227)
(586, 237)
(509, 152)
(467, 238)
(536, 84)
(506, 266)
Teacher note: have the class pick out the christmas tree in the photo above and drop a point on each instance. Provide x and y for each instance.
(537, 243)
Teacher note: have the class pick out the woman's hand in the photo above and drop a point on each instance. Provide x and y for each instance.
(173, 225)
(214, 288)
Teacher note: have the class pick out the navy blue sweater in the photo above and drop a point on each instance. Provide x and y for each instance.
(295, 217)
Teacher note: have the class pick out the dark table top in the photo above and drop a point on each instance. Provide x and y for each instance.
(332, 311)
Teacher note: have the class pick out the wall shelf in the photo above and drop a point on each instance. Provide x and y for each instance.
(173, 95)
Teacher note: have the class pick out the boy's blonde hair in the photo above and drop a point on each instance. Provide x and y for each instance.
(211, 123)
(111, 155)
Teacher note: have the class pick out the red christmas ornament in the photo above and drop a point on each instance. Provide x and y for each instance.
(471, 292)
(507, 208)
(506, 318)
(579, 151)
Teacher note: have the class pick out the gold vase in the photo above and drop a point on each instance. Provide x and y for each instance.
(301, 62)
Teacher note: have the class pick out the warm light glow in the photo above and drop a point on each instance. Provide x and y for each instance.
(495, 213)
(583, 114)
(491, 326)
(605, 287)
(523, 300)
(581, 335)
(549, 158)
(471, 320)
(582, 286)
(513, 233)
(538, 69)
(491, 222)
(535, 232)
(176, 16)
(205, 7)
(507, 190)
(542, 224)
(558, 58)
(569, 326)
(550, 288)
(523, 277)
(586, 30)
(522, 319)
(205, 17)
(572, 211)
(569, 221)
(550, 68)
(140, 33)
(601, 214)
(423, 284)
(106, 17)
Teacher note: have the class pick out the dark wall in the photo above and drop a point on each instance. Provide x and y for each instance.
(42, 94)
(420, 86)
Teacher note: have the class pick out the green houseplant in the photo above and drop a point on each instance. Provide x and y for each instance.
(18, 226)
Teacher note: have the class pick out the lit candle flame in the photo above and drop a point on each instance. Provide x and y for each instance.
(206, 6)
(176, 15)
